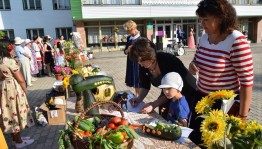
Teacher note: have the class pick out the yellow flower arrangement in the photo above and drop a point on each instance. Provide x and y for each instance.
(66, 81)
(203, 106)
(220, 130)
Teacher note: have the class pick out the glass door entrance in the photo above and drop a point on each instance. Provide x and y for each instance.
(163, 34)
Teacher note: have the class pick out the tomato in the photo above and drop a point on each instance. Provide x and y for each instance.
(132, 127)
(112, 126)
(124, 122)
(88, 134)
(116, 120)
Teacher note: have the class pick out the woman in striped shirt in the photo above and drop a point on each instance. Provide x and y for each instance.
(223, 60)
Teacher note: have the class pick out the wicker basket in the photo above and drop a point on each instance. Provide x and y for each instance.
(81, 143)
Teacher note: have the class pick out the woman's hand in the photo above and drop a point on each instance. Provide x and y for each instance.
(128, 49)
(193, 69)
(135, 101)
(148, 108)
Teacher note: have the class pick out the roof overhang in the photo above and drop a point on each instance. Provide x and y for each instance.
(138, 11)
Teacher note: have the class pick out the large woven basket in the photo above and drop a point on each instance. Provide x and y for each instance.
(82, 144)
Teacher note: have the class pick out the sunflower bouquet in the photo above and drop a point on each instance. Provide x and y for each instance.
(220, 130)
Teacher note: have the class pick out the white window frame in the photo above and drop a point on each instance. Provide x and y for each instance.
(27, 7)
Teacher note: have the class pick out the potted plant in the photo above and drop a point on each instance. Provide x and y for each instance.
(61, 71)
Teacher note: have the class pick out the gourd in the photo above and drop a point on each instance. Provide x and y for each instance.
(79, 84)
(165, 131)
(88, 100)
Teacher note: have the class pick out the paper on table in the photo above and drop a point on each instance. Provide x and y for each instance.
(130, 107)
(185, 133)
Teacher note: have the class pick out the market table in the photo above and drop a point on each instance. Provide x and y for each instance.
(145, 141)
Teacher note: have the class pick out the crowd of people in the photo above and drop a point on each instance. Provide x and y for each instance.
(223, 61)
(21, 62)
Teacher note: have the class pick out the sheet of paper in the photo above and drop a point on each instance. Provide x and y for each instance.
(130, 107)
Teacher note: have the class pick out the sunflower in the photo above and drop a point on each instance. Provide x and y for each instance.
(213, 129)
(218, 113)
(235, 123)
(204, 105)
(222, 94)
(253, 126)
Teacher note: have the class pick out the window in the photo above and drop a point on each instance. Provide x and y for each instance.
(91, 2)
(112, 2)
(131, 2)
(61, 4)
(64, 31)
(32, 4)
(93, 35)
(5, 5)
(32, 32)
(9, 33)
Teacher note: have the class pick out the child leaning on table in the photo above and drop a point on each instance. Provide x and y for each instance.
(172, 85)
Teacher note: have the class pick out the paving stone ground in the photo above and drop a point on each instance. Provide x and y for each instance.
(114, 63)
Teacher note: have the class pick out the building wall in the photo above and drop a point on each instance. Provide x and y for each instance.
(19, 19)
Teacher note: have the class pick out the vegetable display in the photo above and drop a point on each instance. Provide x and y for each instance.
(98, 133)
(163, 130)
(80, 84)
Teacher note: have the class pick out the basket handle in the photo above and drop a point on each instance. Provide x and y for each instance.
(94, 104)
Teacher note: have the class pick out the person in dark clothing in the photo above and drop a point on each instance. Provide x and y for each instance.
(132, 68)
(49, 60)
(180, 34)
(153, 66)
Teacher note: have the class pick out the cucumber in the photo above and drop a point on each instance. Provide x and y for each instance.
(84, 125)
(91, 82)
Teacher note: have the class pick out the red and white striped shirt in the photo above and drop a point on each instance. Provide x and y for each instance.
(226, 65)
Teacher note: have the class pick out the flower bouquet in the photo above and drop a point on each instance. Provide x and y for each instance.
(220, 130)
(62, 70)
(73, 58)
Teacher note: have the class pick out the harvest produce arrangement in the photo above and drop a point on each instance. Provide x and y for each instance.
(163, 130)
(99, 131)
(105, 132)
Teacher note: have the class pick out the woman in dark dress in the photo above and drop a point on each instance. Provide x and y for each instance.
(49, 60)
(132, 68)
